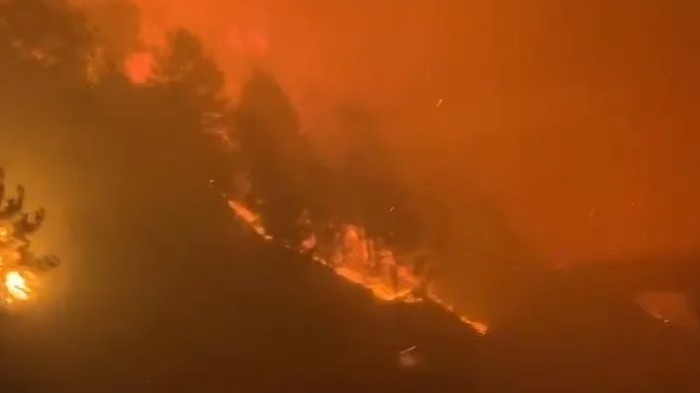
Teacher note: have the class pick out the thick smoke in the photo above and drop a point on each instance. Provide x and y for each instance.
(484, 97)
(553, 148)
(550, 134)
(529, 136)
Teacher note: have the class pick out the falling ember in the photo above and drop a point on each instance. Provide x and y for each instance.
(16, 286)
(18, 265)
(361, 261)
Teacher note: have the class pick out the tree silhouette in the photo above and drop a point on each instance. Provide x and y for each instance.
(51, 34)
(274, 153)
(146, 147)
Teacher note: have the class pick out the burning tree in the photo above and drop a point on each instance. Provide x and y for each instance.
(357, 220)
(19, 267)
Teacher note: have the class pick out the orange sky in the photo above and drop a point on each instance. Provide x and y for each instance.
(576, 120)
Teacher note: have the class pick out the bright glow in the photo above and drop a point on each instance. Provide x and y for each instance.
(139, 67)
(16, 286)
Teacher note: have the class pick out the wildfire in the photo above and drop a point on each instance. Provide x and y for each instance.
(363, 261)
(249, 217)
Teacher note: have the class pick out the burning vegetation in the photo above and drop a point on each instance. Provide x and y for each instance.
(355, 219)
(19, 267)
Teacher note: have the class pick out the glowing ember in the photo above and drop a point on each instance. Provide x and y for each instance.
(16, 286)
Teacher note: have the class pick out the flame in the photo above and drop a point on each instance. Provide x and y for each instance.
(249, 218)
(15, 283)
(362, 261)
(139, 67)
(16, 286)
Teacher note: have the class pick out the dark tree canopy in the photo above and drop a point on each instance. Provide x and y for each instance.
(126, 135)
(49, 33)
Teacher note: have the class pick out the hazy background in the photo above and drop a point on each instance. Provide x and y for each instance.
(575, 118)
(555, 132)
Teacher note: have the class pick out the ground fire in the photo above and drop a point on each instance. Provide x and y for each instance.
(353, 255)
(19, 267)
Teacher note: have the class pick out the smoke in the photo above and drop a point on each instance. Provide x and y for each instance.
(552, 134)
(574, 120)
(532, 135)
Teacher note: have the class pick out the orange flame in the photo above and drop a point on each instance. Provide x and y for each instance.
(16, 287)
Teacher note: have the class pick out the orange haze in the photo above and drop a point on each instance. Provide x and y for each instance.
(576, 121)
